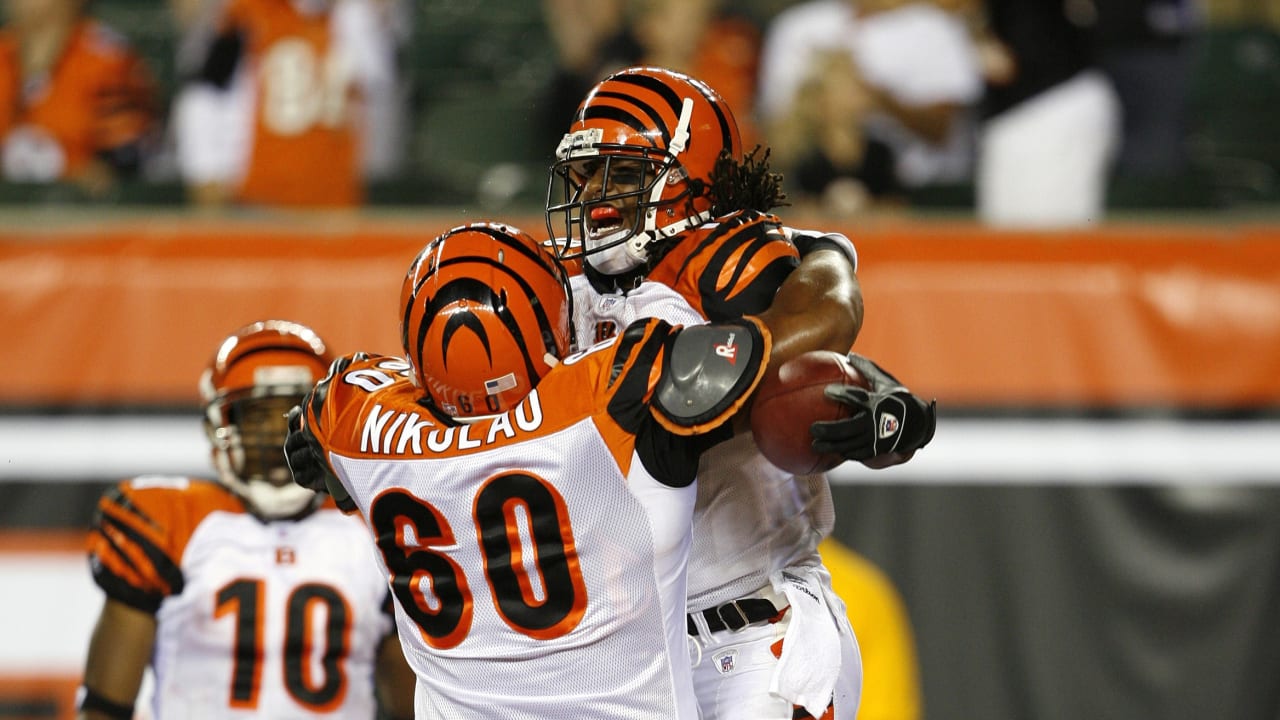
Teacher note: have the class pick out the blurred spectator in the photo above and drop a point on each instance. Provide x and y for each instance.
(591, 38)
(830, 163)
(77, 103)
(707, 40)
(375, 32)
(294, 103)
(702, 38)
(1144, 47)
(1051, 120)
(920, 96)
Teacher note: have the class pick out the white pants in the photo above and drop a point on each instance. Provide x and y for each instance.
(1044, 162)
(732, 670)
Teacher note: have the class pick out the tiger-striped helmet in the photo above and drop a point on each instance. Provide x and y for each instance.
(486, 313)
(636, 166)
(258, 373)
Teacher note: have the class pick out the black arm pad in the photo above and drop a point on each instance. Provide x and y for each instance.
(91, 700)
(224, 55)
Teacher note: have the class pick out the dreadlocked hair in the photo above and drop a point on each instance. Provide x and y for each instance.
(745, 184)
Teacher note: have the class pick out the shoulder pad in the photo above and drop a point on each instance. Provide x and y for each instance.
(707, 373)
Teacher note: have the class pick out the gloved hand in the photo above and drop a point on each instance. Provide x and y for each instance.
(888, 423)
(308, 469)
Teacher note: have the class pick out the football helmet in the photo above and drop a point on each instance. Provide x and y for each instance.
(487, 313)
(635, 167)
(256, 375)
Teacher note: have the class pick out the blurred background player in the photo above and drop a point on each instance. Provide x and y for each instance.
(1051, 124)
(249, 596)
(649, 185)
(550, 506)
(293, 103)
(77, 103)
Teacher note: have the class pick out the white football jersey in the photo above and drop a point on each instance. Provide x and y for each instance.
(277, 619)
(751, 518)
(597, 317)
(536, 557)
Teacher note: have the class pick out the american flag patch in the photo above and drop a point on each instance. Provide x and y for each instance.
(497, 385)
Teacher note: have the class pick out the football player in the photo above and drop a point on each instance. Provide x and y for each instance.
(291, 104)
(531, 506)
(650, 184)
(249, 596)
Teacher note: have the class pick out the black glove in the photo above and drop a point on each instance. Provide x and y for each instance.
(886, 419)
(307, 467)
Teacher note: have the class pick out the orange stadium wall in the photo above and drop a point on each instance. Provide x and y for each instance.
(999, 572)
(127, 311)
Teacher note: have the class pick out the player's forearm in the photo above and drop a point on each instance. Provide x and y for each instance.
(119, 651)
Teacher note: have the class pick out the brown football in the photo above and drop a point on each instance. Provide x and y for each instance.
(790, 400)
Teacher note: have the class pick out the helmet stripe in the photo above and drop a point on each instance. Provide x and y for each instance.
(462, 289)
(655, 118)
(655, 86)
(466, 289)
(673, 99)
(629, 119)
(506, 241)
(717, 104)
(267, 348)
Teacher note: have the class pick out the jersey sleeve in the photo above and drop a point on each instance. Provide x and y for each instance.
(140, 530)
(334, 403)
(732, 267)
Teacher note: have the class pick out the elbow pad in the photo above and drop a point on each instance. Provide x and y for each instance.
(708, 372)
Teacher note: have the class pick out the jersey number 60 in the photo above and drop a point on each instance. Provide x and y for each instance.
(530, 562)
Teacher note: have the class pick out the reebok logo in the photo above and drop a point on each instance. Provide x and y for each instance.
(728, 349)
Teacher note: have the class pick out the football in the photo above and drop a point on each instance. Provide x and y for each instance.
(790, 400)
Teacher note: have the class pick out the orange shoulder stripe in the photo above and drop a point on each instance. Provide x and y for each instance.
(141, 531)
(731, 268)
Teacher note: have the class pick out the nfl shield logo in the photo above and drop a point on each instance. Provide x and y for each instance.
(725, 662)
(888, 425)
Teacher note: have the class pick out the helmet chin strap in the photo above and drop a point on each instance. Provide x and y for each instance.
(652, 233)
(679, 140)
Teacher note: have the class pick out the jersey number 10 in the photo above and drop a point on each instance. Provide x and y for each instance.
(243, 597)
